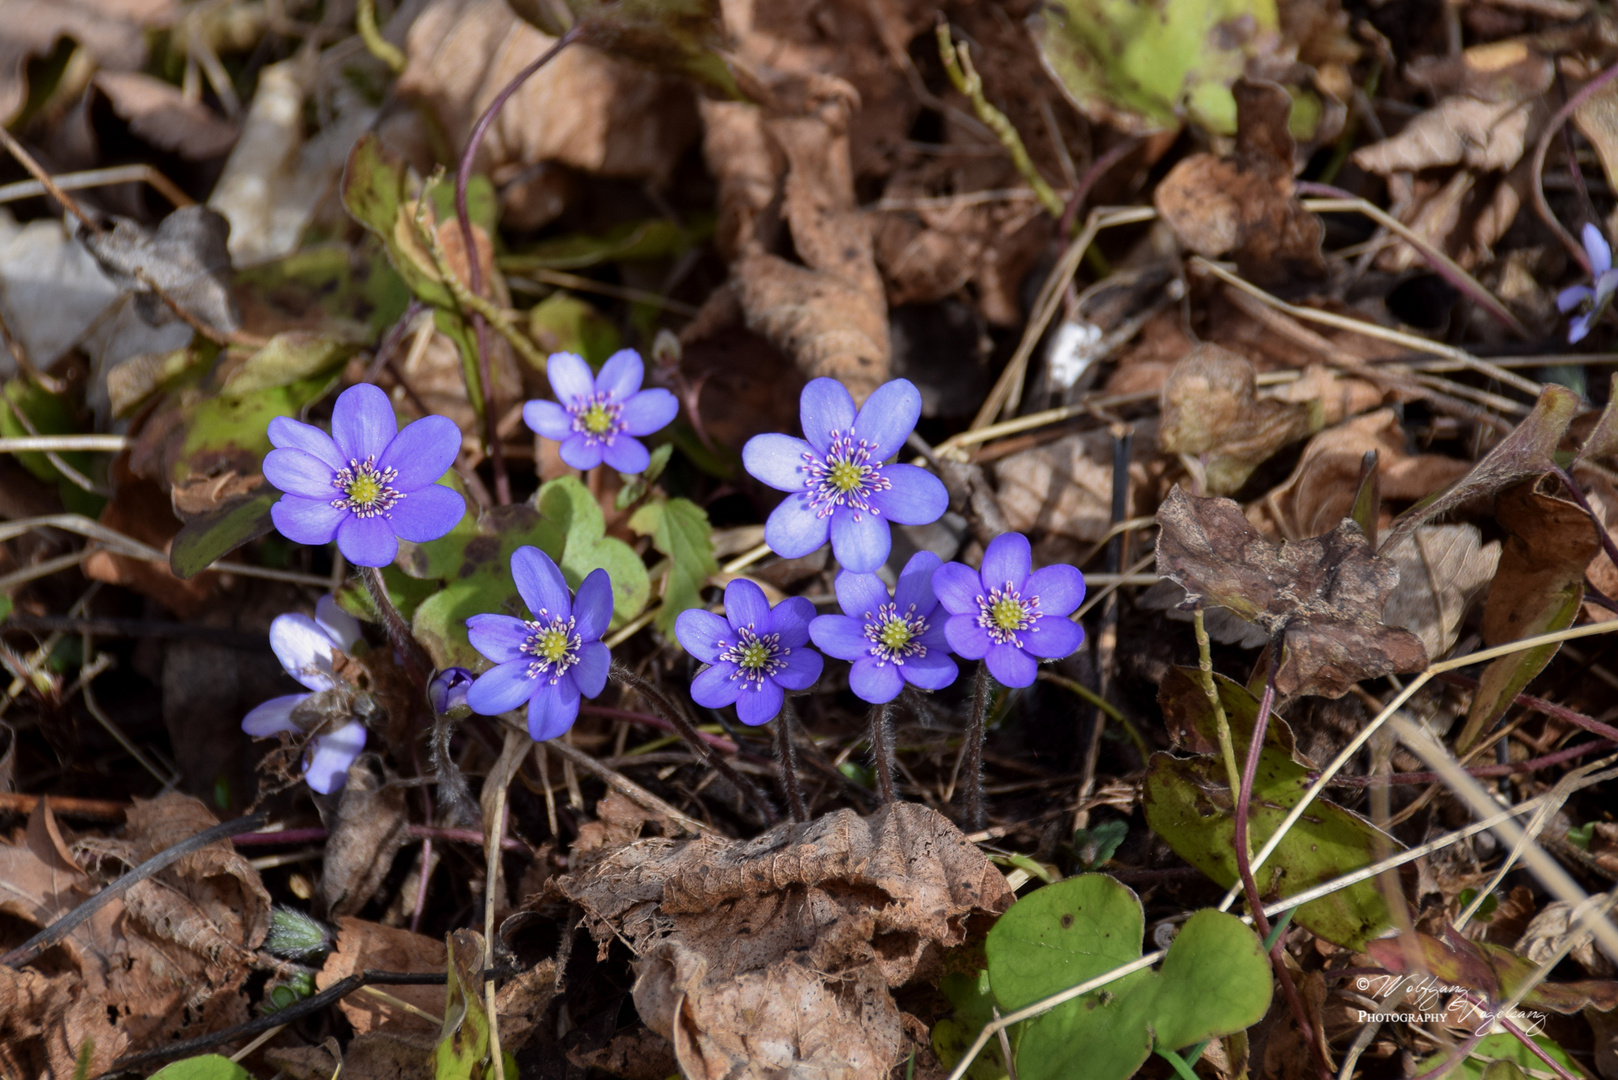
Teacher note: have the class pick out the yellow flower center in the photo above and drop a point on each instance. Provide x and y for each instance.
(895, 634)
(552, 644)
(845, 475)
(364, 490)
(595, 419)
(1007, 613)
(753, 656)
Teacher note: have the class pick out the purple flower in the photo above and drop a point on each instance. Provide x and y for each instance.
(891, 640)
(597, 415)
(837, 481)
(1595, 246)
(1008, 616)
(753, 652)
(548, 660)
(305, 648)
(364, 484)
(447, 692)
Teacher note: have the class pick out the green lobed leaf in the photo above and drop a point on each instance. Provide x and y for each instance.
(585, 546)
(345, 283)
(1188, 803)
(1503, 1056)
(974, 1008)
(563, 323)
(653, 238)
(206, 539)
(679, 529)
(203, 1067)
(1214, 981)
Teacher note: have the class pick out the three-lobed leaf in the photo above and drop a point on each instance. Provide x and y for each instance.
(679, 529)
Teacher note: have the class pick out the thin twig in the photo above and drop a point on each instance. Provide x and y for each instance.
(1537, 167)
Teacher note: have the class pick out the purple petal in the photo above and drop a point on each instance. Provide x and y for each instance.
(540, 583)
(1572, 296)
(966, 638)
(713, 688)
(570, 377)
(776, 460)
(304, 649)
(839, 636)
(860, 542)
(793, 530)
(888, 417)
(621, 375)
(1060, 589)
(273, 717)
(497, 637)
(547, 419)
(760, 706)
(915, 586)
(306, 521)
(422, 452)
(1006, 561)
(1052, 637)
(916, 498)
(591, 671)
(338, 624)
(934, 671)
(958, 587)
(1577, 330)
(501, 688)
(825, 407)
(334, 753)
(298, 472)
(427, 513)
(802, 666)
(1606, 285)
(649, 411)
(790, 619)
(873, 682)
(367, 541)
(703, 634)
(746, 605)
(1595, 246)
(553, 708)
(592, 607)
(289, 434)
(580, 452)
(1011, 666)
(859, 595)
(362, 422)
(626, 455)
(447, 691)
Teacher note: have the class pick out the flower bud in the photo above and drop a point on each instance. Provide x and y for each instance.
(447, 693)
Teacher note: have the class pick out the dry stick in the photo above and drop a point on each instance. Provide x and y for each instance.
(1541, 207)
(882, 750)
(972, 750)
(474, 271)
(786, 753)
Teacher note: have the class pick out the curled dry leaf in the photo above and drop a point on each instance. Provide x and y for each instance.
(1211, 411)
(1064, 488)
(778, 954)
(162, 115)
(1442, 570)
(1246, 204)
(111, 33)
(368, 830)
(369, 946)
(1321, 597)
(186, 257)
(1550, 928)
(1485, 135)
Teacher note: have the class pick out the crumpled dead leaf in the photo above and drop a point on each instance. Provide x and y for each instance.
(367, 831)
(1546, 932)
(162, 115)
(1211, 410)
(1442, 570)
(1246, 204)
(111, 33)
(369, 946)
(778, 954)
(186, 257)
(1064, 488)
(1484, 135)
(1322, 597)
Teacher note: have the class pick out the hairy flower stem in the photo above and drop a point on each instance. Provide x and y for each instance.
(974, 747)
(786, 755)
(411, 654)
(670, 712)
(882, 750)
(474, 272)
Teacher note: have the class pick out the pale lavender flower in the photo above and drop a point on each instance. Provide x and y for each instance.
(753, 652)
(366, 484)
(1007, 616)
(596, 417)
(837, 483)
(306, 648)
(447, 692)
(1606, 284)
(891, 640)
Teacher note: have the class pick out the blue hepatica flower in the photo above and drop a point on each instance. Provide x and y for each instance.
(838, 484)
(1008, 616)
(551, 659)
(366, 484)
(1595, 246)
(754, 651)
(306, 648)
(595, 418)
(447, 692)
(891, 640)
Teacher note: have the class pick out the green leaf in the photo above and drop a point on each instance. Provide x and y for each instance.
(1141, 67)
(974, 1008)
(563, 323)
(1188, 803)
(203, 1067)
(462, 1051)
(347, 283)
(1214, 981)
(567, 504)
(1095, 846)
(213, 536)
(1496, 1056)
(679, 529)
(49, 414)
(285, 359)
(654, 238)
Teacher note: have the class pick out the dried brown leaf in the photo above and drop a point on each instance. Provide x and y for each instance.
(1442, 570)
(779, 953)
(1484, 135)
(1549, 544)
(111, 33)
(185, 256)
(159, 113)
(363, 946)
(1550, 928)
(1064, 487)
(1321, 597)
(367, 831)
(1211, 411)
